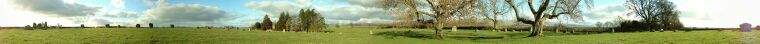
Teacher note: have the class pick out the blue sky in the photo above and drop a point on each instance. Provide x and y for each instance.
(695, 13)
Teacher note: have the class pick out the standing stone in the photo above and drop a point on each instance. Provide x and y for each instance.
(453, 28)
(746, 27)
(34, 25)
(27, 27)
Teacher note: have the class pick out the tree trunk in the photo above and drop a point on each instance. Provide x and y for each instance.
(438, 27)
(537, 28)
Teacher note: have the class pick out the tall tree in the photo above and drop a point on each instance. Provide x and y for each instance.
(657, 14)
(495, 10)
(310, 20)
(440, 10)
(267, 24)
(545, 10)
(283, 22)
(108, 25)
(150, 25)
(81, 25)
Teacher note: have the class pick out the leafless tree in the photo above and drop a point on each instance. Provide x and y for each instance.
(545, 10)
(658, 14)
(440, 10)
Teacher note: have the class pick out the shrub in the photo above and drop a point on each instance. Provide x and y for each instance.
(108, 25)
(171, 25)
(137, 26)
(150, 25)
(81, 25)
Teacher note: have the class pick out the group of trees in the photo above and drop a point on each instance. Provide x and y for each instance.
(43, 26)
(310, 20)
(655, 14)
(307, 20)
(442, 10)
(283, 22)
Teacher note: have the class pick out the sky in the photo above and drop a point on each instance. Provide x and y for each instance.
(695, 13)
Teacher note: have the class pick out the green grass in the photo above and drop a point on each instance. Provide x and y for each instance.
(353, 36)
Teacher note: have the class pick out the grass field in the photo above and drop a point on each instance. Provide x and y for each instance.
(357, 36)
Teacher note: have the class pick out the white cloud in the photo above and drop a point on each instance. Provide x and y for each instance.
(336, 13)
(186, 14)
(64, 12)
(119, 4)
(182, 14)
(277, 6)
(155, 3)
(57, 8)
(354, 13)
(605, 13)
(365, 3)
(373, 21)
(717, 13)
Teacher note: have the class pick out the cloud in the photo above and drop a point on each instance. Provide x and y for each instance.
(101, 21)
(119, 4)
(337, 13)
(57, 8)
(186, 14)
(123, 15)
(354, 13)
(606, 13)
(373, 21)
(155, 3)
(277, 6)
(365, 3)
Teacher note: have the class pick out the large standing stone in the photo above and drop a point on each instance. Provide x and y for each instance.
(746, 27)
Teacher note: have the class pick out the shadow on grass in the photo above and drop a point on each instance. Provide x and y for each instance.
(429, 35)
(517, 35)
(410, 34)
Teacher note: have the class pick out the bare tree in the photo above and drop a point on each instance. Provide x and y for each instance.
(658, 14)
(440, 10)
(546, 11)
(493, 6)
